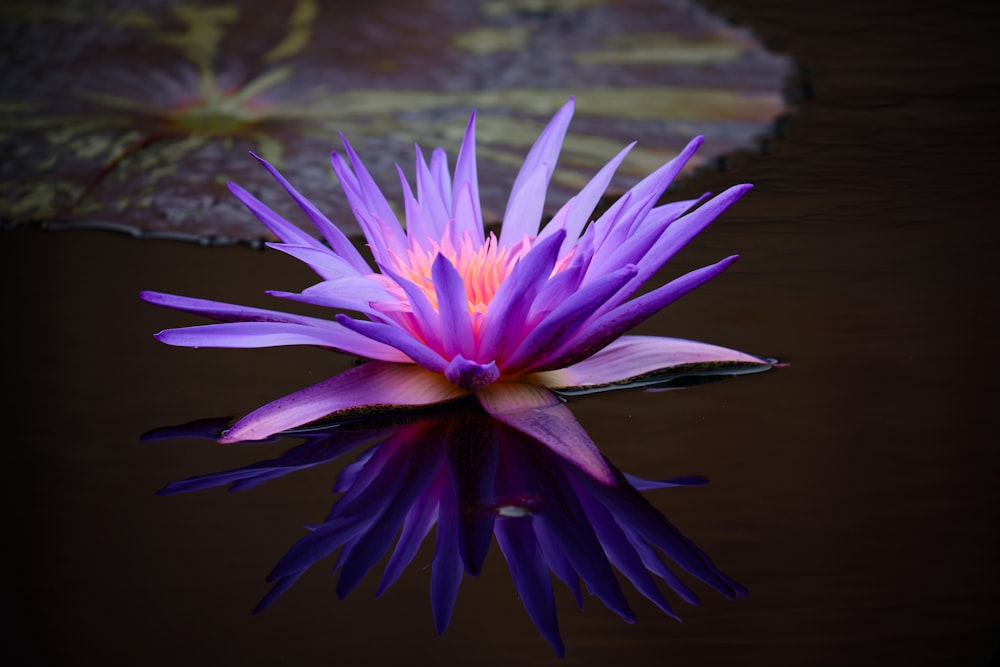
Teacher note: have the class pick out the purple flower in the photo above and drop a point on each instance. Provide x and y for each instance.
(546, 514)
(449, 311)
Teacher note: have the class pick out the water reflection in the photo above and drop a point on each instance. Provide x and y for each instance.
(473, 478)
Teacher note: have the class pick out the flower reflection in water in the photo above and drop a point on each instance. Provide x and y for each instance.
(474, 478)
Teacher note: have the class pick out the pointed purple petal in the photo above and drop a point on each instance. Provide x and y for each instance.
(242, 335)
(283, 229)
(599, 333)
(527, 196)
(577, 212)
(320, 259)
(434, 196)
(502, 325)
(425, 317)
(393, 336)
(365, 195)
(453, 309)
(562, 323)
(336, 238)
(465, 189)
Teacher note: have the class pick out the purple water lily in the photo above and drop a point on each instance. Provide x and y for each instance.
(547, 516)
(450, 311)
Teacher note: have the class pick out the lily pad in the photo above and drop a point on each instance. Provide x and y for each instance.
(146, 109)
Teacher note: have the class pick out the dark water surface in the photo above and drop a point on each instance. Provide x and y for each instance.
(853, 493)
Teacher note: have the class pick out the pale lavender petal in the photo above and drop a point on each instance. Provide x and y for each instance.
(524, 210)
(631, 357)
(539, 413)
(434, 194)
(373, 385)
(577, 211)
(265, 334)
(321, 259)
(439, 169)
(417, 229)
(336, 238)
(350, 293)
(527, 196)
(465, 189)
(465, 217)
(373, 231)
(373, 201)
(453, 309)
(395, 337)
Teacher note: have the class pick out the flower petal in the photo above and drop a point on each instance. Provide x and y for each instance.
(366, 387)
(433, 194)
(336, 238)
(226, 312)
(469, 374)
(466, 210)
(352, 293)
(283, 229)
(527, 196)
(504, 319)
(374, 214)
(539, 413)
(453, 309)
(562, 323)
(575, 214)
(242, 335)
(393, 336)
(320, 259)
(632, 359)
(604, 329)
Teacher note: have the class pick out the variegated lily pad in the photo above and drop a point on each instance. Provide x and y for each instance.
(146, 109)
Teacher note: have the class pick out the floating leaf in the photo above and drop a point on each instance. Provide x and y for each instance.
(148, 108)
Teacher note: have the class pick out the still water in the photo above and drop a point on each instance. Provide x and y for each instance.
(853, 493)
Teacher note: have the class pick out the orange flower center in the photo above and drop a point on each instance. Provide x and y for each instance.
(483, 267)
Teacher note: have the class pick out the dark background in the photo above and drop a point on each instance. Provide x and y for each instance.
(854, 493)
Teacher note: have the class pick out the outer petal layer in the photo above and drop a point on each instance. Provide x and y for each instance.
(632, 359)
(370, 386)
